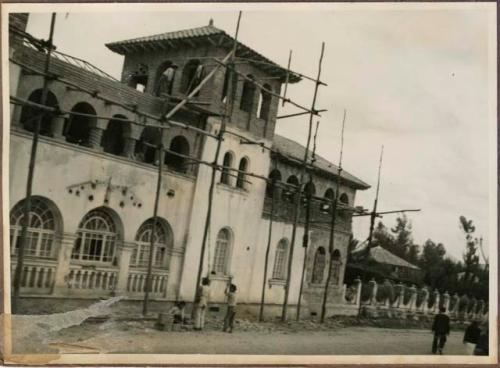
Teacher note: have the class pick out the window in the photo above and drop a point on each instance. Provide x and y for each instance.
(192, 75)
(165, 77)
(143, 150)
(178, 163)
(29, 114)
(344, 198)
(290, 191)
(319, 266)
(241, 179)
(309, 191)
(97, 235)
(222, 252)
(225, 86)
(227, 162)
(280, 260)
(139, 79)
(275, 176)
(140, 255)
(336, 262)
(113, 139)
(247, 95)
(77, 127)
(41, 228)
(265, 99)
(327, 205)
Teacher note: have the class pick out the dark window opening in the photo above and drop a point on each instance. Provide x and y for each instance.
(112, 139)
(247, 95)
(192, 75)
(165, 77)
(77, 127)
(275, 175)
(241, 179)
(226, 162)
(178, 145)
(319, 266)
(139, 79)
(29, 114)
(146, 147)
(290, 191)
(264, 103)
(327, 205)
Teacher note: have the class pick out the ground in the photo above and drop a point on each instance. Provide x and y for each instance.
(304, 338)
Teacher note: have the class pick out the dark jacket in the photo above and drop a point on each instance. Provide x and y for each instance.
(472, 334)
(441, 325)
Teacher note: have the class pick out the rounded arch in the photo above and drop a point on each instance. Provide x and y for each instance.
(77, 127)
(247, 94)
(165, 76)
(45, 222)
(319, 266)
(29, 114)
(163, 241)
(329, 195)
(113, 138)
(98, 232)
(223, 249)
(145, 149)
(243, 168)
(265, 99)
(289, 192)
(310, 188)
(280, 259)
(336, 255)
(344, 198)
(275, 176)
(336, 262)
(227, 162)
(180, 145)
(192, 74)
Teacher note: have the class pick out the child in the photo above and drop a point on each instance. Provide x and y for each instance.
(177, 311)
(231, 308)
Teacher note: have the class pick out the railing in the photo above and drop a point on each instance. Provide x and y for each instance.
(37, 276)
(136, 283)
(411, 300)
(91, 279)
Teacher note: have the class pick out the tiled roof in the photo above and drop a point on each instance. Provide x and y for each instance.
(295, 150)
(382, 255)
(200, 33)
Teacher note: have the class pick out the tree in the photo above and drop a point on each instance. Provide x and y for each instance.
(431, 262)
(471, 259)
(382, 237)
(402, 236)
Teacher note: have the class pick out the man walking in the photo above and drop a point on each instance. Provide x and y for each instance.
(441, 328)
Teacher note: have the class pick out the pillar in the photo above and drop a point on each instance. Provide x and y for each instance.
(95, 137)
(425, 300)
(359, 285)
(174, 273)
(400, 295)
(124, 253)
(130, 137)
(413, 298)
(57, 127)
(373, 296)
(446, 301)
(61, 281)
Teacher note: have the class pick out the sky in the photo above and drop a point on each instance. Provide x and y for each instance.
(416, 80)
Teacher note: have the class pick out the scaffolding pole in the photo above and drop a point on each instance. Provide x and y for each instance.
(297, 196)
(31, 172)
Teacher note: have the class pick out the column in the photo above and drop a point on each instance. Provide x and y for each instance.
(425, 300)
(130, 137)
(373, 288)
(413, 298)
(57, 127)
(359, 285)
(124, 252)
(95, 137)
(446, 301)
(61, 280)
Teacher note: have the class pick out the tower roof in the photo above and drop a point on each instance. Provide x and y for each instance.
(194, 37)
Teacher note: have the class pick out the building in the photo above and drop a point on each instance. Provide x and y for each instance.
(95, 178)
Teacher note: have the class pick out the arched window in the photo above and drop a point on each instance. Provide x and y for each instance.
(139, 78)
(97, 236)
(327, 205)
(30, 114)
(177, 163)
(290, 191)
(280, 260)
(265, 99)
(344, 198)
(309, 191)
(227, 162)
(222, 252)
(162, 240)
(41, 228)
(241, 179)
(319, 266)
(77, 127)
(247, 95)
(336, 262)
(112, 139)
(192, 75)
(143, 150)
(225, 86)
(276, 176)
(165, 76)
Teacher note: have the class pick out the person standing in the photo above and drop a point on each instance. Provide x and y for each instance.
(471, 337)
(441, 329)
(202, 300)
(231, 308)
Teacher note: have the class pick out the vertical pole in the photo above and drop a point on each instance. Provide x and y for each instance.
(268, 249)
(31, 172)
(373, 215)
(332, 225)
(216, 159)
(287, 77)
(299, 190)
